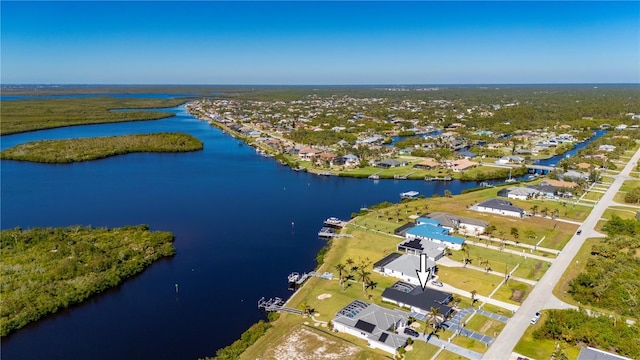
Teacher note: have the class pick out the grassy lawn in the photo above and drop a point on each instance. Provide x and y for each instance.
(484, 325)
(469, 343)
(421, 350)
(468, 279)
(541, 349)
(592, 195)
(509, 292)
(498, 260)
(497, 310)
(448, 355)
(623, 212)
(629, 185)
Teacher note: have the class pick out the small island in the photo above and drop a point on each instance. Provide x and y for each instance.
(48, 269)
(83, 149)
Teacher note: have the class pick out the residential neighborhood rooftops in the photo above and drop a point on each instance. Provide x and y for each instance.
(500, 204)
(453, 221)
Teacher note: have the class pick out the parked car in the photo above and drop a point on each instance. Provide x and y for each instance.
(411, 332)
(437, 283)
(535, 318)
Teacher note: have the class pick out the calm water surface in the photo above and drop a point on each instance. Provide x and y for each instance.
(242, 223)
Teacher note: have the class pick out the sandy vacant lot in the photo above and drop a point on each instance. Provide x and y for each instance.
(304, 344)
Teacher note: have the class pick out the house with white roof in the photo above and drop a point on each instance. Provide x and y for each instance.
(402, 266)
(373, 323)
(519, 193)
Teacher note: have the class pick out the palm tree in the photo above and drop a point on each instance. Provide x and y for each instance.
(349, 263)
(465, 249)
(340, 267)
(473, 296)
(544, 211)
(434, 317)
(534, 209)
(364, 277)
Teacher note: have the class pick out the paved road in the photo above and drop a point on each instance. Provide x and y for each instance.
(541, 297)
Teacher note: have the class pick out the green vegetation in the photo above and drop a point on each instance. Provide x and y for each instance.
(44, 270)
(610, 278)
(73, 150)
(28, 115)
(575, 327)
(247, 338)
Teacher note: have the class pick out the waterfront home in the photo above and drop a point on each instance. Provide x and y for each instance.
(519, 193)
(417, 300)
(372, 323)
(607, 148)
(559, 184)
(348, 160)
(417, 246)
(500, 207)
(575, 175)
(427, 165)
(308, 153)
(462, 165)
(402, 266)
(511, 159)
(387, 164)
(430, 230)
(461, 223)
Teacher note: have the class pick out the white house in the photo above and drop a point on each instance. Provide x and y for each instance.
(402, 266)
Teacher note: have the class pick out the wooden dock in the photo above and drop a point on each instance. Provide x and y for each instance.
(375, 176)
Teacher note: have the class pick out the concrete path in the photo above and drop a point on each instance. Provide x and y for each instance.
(541, 296)
(445, 345)
(520, 244)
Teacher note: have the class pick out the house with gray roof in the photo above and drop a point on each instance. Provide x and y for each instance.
(500, 207)
(386, 164)
(463, 224)
(374, 324)
(402, 266)
(589, 353)
(420, 301)
(520, 193)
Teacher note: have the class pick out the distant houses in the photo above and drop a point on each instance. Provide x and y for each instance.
(500, 207)
(519, 193)
(373, 323)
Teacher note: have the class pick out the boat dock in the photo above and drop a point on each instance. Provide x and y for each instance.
(403, 177)
(327, 232)
(375, 176)
(276, 304)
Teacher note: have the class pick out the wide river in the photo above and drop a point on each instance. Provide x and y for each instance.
(242, 223)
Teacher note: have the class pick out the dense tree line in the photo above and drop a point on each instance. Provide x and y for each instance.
(233, 351)
(28, 115)
(578, 327)
(83, 149)
(611, 278)
(48, 269)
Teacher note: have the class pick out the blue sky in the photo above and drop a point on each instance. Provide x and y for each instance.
(208, 42)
